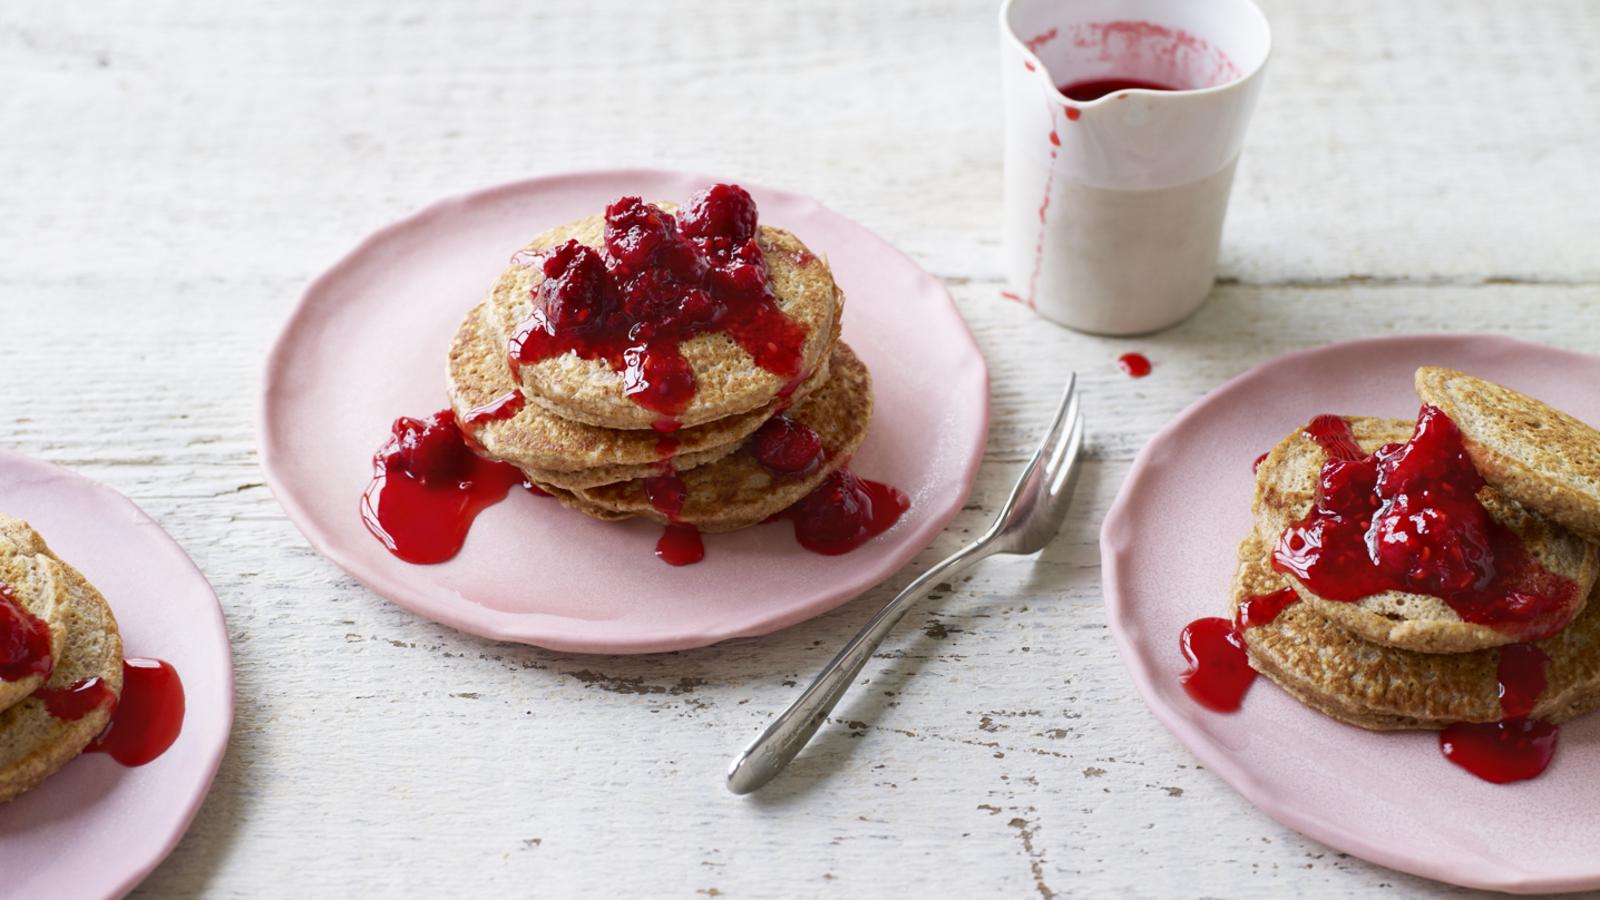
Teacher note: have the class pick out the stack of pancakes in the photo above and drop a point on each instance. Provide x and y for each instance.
(1407, 661)
(579, 437)
(84, 645)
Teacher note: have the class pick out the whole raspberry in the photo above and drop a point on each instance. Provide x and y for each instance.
(574, 292)
(835, 513)
(636, 232)
(722, 210)
(431, 450)
(786, 447)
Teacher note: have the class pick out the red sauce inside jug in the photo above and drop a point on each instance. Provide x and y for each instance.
(1094, 89)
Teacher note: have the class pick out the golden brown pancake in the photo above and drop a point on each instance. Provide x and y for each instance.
(571, 454)
(33, 742)
(1533, 453)
(1383, 688)
(39, 587)
(728, 381)
(737, 491)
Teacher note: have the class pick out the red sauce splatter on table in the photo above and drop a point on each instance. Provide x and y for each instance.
(1134, 365)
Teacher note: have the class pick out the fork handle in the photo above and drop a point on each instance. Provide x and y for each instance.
(790, 731)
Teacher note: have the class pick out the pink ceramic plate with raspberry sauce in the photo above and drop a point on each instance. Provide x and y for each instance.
(96, 828)
(1168, 550)
(367, 343)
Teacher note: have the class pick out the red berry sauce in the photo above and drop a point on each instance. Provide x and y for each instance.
(148, 718)
(844, 512)
(1407, 518)
(1134, 365)
(1501, 752)
(680, 545)
(144, 722)
(667, 493)
(1264, 609)
(502, 407)
(661, 280)
(71, 703)
(1219, 670)
(427, 487)
(786, 448)
(1094, 89)
(1516, 748)
(24, 640)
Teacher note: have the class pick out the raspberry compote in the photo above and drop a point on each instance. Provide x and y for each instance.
(427, 486)
(1219, 671)
(145, 721)
(1517, 747)
(1407, 518)
(660, 280)
(24, 640)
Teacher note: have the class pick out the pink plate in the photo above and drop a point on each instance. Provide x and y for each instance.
(1168, 553)
(368, 343)
(96, 829)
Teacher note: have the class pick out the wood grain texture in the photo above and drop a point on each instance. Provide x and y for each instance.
(172, 174)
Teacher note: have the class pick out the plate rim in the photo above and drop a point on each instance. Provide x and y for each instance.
(218, 621)
(520, 627)
(1216, 757)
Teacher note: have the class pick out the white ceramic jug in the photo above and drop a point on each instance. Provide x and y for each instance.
(1114, 206)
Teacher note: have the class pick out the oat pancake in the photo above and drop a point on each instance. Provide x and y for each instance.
(1537, 455)
(39, 587)
(728, 380)
(1385, 689)
(736, 491)
(1286, 484)
(34, 743)
(570, 454)
(604, 475)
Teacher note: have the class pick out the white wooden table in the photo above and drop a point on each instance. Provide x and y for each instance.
(172, 174)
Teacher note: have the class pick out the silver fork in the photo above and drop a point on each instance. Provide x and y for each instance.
(1030, 518)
